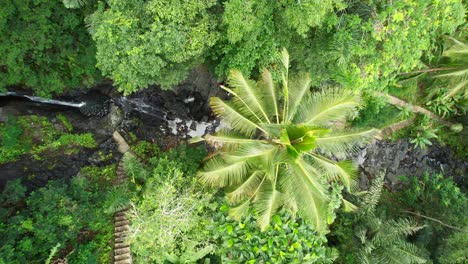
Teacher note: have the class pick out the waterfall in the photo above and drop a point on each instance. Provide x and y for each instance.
(45, 100)
(139, 105)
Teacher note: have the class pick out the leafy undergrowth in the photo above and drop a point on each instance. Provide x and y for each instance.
(69, 216)
(37, 136)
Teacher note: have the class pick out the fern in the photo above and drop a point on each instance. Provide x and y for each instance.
(384, 240)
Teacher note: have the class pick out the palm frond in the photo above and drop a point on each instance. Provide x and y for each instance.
(372, 197)
(249, 151)
(232, 117)
(312, 203)
(460, 87)
(229, 137)
(219, 173)
(247, 189)
(240, 211)
(327, 107)
(248, 92)
(407, 253)
(344, 143)
(344, 170)
(400, 228)
(298, 89)
(269, 94)
(284, 59)
(118, 198)
(459, 74)
(134, 168)
(267, 203)
(458, 50)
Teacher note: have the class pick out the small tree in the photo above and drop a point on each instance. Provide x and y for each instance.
(271, 155)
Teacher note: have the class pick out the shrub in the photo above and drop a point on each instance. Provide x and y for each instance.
(286, 240)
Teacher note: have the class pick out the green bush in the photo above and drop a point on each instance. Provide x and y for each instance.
(169, 215)
(436, 196)
(286, 240)
(45, 47)
(69, 214)
(154, 42)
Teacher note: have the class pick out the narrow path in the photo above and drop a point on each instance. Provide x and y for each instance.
(122, 253)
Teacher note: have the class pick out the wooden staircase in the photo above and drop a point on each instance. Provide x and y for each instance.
(122, 254)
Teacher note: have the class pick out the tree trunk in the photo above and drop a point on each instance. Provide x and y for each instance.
(416, 109)
(387, 131)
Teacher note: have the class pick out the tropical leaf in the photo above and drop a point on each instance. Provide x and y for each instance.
(267, 203)
(269, 94)
(345, 142)
(227, 137)
(327, 107)
(248, 151)
(344, 171)
(247, 189)
(232, 117)
(298, 89)
(219, 173)
(248, 92)
(239, 211)
(308, 192)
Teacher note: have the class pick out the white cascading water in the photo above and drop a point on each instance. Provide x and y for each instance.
(45, 100)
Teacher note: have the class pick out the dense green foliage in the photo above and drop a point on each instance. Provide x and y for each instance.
(273, 154)
(253, 31)
(432, 210)
(361, 44)
(172, 220)
(280, 150)
(373, 41)
(369, 236)
(69, 214)
(45, 47)
(151, 42)
(436, 201)
(169, 215)
(286, 240)
(37, 136)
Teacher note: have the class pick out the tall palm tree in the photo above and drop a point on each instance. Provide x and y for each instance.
(271, 154)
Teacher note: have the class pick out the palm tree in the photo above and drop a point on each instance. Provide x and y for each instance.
(271, 154)
(455, 69)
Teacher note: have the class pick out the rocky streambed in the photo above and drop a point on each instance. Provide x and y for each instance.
(166, 118)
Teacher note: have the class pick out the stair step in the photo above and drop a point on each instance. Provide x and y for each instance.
(120, 239)
(121, 245)
(121, 228)
(120, 251)
(120, 218)
(124, 214)
(121, 223)
(125, 261)
(122, 257)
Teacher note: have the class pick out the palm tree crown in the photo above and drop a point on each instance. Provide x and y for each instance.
(270, 155)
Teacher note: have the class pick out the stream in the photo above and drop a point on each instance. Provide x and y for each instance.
(165, 118)
(153, 115)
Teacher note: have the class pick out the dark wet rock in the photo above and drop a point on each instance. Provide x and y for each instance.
(400, 158)
(106, 154)
(97, 104)
(36, 173)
